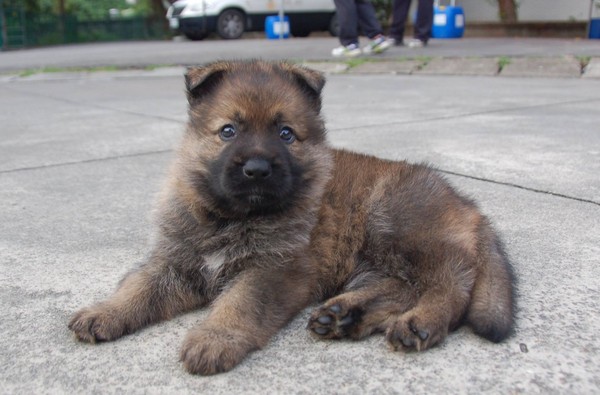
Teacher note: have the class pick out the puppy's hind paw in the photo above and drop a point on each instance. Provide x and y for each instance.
(409, 333)
(333, 321)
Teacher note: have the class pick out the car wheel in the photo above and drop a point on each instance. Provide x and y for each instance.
(195, 36)
(334, 26)
(231, 24)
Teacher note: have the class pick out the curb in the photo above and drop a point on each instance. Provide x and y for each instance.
(528, 67)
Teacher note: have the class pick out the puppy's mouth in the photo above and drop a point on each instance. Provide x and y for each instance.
(257, 197)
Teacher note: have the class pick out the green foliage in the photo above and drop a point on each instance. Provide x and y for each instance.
(354, 62)
(93, 10)
(31, 23)
(503, 61)
(87, 9)
(584, 61)
(33, 6)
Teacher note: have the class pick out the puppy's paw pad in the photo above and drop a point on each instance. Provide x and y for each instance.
(333, 320)
(409, 334)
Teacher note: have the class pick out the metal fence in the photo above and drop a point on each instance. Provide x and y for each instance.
(21, 29)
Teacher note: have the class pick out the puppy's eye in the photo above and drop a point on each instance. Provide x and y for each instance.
(227, 133)
(287, 135)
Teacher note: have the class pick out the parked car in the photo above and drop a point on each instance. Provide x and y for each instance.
(196, 19)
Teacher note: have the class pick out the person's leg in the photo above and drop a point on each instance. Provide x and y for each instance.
(424, 20)
(348, 21)
(367, 18)
(399, 14)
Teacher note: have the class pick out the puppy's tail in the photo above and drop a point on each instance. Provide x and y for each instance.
(491, 313)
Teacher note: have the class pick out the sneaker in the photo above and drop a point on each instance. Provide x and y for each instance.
(378, 45)
(416, 43)
(348, 51)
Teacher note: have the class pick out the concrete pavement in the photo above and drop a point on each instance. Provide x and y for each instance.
(83, 156)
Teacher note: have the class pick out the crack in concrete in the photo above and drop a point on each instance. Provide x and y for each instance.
(97, 106)
(160, 152)
(440, 118)
(513, 185)
(84, 161)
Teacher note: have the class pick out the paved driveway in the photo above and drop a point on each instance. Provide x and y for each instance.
(82, 159)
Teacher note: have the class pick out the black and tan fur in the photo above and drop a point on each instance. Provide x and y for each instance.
(259, 225)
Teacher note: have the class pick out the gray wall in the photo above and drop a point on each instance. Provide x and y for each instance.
(529, 10)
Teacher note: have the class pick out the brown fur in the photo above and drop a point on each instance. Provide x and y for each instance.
(260, 227)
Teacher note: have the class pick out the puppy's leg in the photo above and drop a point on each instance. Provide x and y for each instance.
(445, 286)
(364, 308)
(244, 317)
(152, 293)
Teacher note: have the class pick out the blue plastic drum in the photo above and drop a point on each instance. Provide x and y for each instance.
(448, 22)
(274, 27)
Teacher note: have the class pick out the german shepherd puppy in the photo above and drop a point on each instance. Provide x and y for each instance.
(261, 218)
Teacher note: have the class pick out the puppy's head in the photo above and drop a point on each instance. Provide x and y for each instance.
(255, 143)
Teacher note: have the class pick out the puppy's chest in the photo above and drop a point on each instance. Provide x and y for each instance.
(213, 262)
(239, 246)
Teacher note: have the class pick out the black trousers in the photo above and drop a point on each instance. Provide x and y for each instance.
(423, 24)
(351, 14)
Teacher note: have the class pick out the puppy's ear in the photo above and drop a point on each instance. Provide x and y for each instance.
(311, 81)
(201, 80)
(314, 79)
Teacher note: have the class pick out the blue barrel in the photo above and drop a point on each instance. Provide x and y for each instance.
(274, 26)
(594, 28)
(448, 22)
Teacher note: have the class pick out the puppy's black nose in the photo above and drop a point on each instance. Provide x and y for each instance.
(257, 169)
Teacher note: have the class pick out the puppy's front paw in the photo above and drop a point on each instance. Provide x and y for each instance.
(97, 323)
(208, 351)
